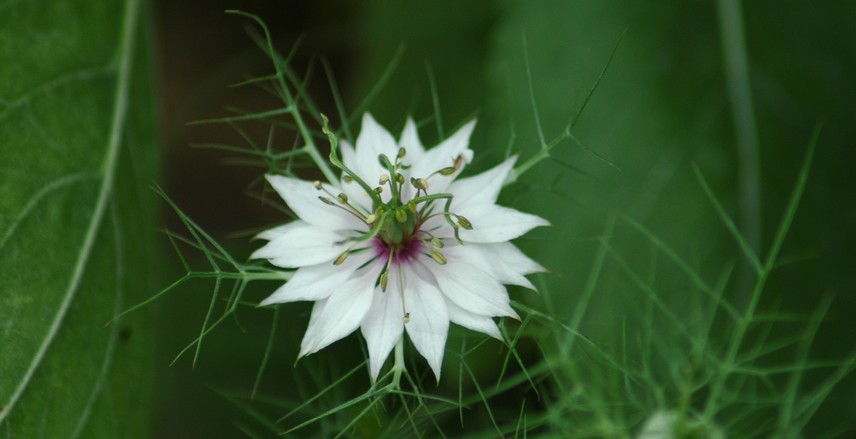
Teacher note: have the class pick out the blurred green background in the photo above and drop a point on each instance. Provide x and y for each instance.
(662, 106)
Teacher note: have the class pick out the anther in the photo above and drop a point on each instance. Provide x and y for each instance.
(384, 280)
(347, 179)
(371, 219)
(406, 318)
(419, 183)
(437, 242)
(401, 215)
(438, 257)
(342, 198)
(465, 223)
(383, 179)
(459, 160)
(341, 258)
(399, 178)
(378, 190)
(317, 185)
(401, 153)
(448, 171)
(327, 201)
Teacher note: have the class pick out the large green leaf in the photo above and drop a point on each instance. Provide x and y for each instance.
(76, 218)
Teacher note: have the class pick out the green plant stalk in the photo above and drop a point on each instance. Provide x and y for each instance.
(743, 113)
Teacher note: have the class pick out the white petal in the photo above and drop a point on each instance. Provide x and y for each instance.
(302, 197)
(382, 326)
(278, 231)
(302, 244)
(483, 256)
(428, 324)
(344, 311)
(514, 258)
(373, 141)
(475, 322)
(313, 328)
(410, 141)
(441, 156)
(482, 188)
(471, 288)
(492, 223)
(317, 282)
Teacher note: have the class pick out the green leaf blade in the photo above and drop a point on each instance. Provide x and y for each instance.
(76, 146)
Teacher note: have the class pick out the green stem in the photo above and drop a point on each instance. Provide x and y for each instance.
(398, 367)
(743, 113)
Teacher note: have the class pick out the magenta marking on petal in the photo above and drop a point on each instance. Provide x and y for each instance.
(404, 255)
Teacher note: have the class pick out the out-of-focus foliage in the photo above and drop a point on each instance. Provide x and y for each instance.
(77, 155)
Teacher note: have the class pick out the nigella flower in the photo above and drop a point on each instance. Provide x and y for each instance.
(399, 245)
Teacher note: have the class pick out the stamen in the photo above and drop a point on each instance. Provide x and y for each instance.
(342, 198)
(384, 280)
(447, 171)
(438, 257)
(327, 201)
(342, 258)
(317, 185)
(406, 318)
(419, 183)
(437, 242)
(465, 223)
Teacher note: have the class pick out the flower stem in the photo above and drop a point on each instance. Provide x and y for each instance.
(398, 367)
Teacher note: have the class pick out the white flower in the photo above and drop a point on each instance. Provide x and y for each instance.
(400, 245)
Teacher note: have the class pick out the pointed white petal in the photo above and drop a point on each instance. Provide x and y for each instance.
(482, 188)
(302, 197)
(278, 231)
(470, 288)
(410, 141)
(513, 257)
(483, 256)
(344, 310)
(492, 223)
(373, 141)
(441, 156)
(313, 328)
(428, 323)
(302, 244)
(382, 326)
(349, 156)
(317, 282)
(475, 322)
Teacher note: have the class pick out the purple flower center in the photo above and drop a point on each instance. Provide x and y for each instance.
(401, 253)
